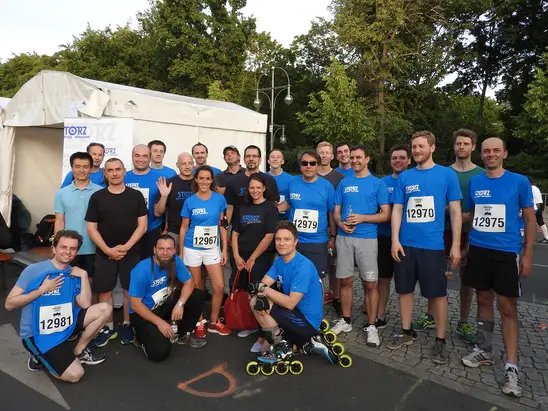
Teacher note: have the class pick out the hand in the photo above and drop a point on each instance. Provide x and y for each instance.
(249, 265)
(224, 257)
(455, 256)
(525, 264)
(78, 272)
(346, 228)
(331, 243)
(116, 253)
(177, 313)
(165, 329)
(355, 219)
(163, 187)
(49, 285)
(396, 250)
(240, 262)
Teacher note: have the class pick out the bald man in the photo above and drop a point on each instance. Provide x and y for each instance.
(144, 179)
(173, 193)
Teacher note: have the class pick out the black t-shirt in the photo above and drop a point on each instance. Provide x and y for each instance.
(256, 220)
(116, 214)
(180, 191)
(222, 178)
(334, 177)
(237, 186)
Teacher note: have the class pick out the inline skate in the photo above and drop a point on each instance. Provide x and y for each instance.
(325, 343)
(278, 360)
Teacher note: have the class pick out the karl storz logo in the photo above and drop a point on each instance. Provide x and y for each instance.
(242, 191)
(110, 151)
(412, 189)
(250, 219)
(132, 185)
(482, 194)
(76, 132)
(52, 293)
(351, 189)
(294, 196)
(390, 189)
(159, 281)
(199, 211)
(418, 202)
(183, 195)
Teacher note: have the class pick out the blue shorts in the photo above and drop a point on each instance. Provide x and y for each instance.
(296, 328)
(422, 265)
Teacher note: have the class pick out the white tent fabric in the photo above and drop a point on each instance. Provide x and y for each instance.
(7, 157)
(4, 102)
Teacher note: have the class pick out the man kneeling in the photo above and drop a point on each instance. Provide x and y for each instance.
(162, 312)
(298, 310)
(56, 301)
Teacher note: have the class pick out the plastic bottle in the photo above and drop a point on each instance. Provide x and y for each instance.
(175, 331)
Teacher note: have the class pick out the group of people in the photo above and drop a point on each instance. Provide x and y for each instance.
(297, 241)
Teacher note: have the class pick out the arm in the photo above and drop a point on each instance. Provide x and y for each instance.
(182, 234)
(97, 238)
(287, 301)
(263, 245)
(59, 222)
(456, 228)
(282, 207)
(84, 298)
(526, 261)
(160, 206)
(164, 188)
(332, 225)
(380, 217)
(138, 233)
(240, 263)
(188, 288)
(224, 243)
(229, 212)
(17, 299)
(397, 249)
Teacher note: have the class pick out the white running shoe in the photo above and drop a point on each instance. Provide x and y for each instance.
(373, 336)
(256, 348)
(340, 326)
(247, 333)
(512, 382)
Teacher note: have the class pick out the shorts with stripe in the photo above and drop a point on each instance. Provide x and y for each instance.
(296, 328)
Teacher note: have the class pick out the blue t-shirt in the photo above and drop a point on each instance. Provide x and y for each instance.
(51, 318)
(165, 171)
(204, 220)
(390, 182)
(283, 188)
(349, 172)
(215, 170)
(496, 203)
(361, 195)
(309, 205)
(153, 288)
(300, 276)
(424, 195)
(96, 177)
(146, 184)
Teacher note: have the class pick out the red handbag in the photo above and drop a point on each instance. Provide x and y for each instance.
(238, 313)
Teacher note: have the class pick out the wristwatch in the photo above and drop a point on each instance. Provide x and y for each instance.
(261, 287)
(180, 303)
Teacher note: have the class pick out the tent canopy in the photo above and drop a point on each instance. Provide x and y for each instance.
(4, 102)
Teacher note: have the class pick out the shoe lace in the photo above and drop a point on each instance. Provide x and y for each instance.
(220, 324)
(423, 319)
(466, 328)
(511, 376)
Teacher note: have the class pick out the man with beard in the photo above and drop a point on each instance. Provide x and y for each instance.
(276, 161)
(161, 310)
(343, 157)
(97, 153)
(157, 153)
(418, 218)
(200, 153)
(144, 179)
(231, 155)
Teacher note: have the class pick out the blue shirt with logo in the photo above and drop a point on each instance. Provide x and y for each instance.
(166, 172)
(349, 172)
(361, 195)
(300, 276)
(154, 287)
(146, 184)
(309, 205)
(390, 182)
(496, 203)
(96, 177)
(73, 202)
(282, 181)
(203, 213)
(424, 195)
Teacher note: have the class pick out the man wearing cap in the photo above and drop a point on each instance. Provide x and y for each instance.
(232, 160)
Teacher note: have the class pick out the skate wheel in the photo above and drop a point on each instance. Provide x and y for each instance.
(267, 369)
(296, 367)
(338, 348)
(330, 337)
(324, 325)
(252, 368)
(281, 368)
(345, 361)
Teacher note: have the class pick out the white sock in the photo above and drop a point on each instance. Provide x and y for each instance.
(544, 231)
(110, 326)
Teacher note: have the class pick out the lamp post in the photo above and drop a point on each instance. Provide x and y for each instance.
(272, 98)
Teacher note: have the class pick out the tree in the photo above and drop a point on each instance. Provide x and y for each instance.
(338, 113)
(21, 68)
(215, 91)
(533, 121)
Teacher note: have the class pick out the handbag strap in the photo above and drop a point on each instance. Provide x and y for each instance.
(237, 279)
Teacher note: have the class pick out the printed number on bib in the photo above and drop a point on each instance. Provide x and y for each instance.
(160, 297)
(420, 210)
(306, 221)
(205, 237)
(490, 218)
(144, 192)
(55, 318)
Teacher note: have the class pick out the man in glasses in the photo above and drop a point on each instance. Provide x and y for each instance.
(310, 203)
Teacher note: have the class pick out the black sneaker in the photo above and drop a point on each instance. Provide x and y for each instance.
(337, 306)
(191, 341)
(34, 364)
(439, 353)
(87, 357)
(380, 324)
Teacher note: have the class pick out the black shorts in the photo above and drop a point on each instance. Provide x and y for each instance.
(107, 271)
(317, 253)
(296, 328)
(385, 262)
(539, 216)
(86, 262)
(488, 269)
(422, 265)
(60, 357)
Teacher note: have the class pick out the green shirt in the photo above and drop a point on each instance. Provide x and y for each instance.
(464, 179)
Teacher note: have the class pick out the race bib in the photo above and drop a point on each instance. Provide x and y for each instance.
(490, 218)
(306, 221)
(55, 318)
(420, 210)
(160, 297)
(144, 192)
(205, 237)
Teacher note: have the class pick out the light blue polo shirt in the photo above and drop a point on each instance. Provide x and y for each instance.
(73, 203)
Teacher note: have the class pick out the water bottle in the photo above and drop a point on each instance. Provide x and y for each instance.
(175, 329)
(330, 251)
(450, 272)
(348, 212)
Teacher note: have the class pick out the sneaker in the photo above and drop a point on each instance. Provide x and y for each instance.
(247, 333)
(87, 357)
(191, 341)
(400, 339)
(340, 326)
(200, 331)
(104, 336)
(440, 355)
(372, 336)
(466, 331)
(337, 306)
(328, 297)
(478, 357)
(380, 324)
(256, 348)
(512, 382)
(127, 334)
(218, 328)
(424, 322)
(34, 364)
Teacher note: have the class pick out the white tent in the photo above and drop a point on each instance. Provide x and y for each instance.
(4, 102)
(31, 129)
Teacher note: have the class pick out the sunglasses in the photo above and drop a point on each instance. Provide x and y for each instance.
(309, 163)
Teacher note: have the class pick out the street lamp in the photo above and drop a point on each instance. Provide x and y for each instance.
(283, 139)
(272, 99)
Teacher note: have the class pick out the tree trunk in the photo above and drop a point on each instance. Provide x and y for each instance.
(381, 109)
(488, 70)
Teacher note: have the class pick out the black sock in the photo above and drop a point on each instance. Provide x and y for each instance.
(347, 319)
(407, 332)
(440, 339)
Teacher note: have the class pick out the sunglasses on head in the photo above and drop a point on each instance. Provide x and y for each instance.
(309, 163)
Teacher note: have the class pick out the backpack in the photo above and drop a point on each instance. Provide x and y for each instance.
(44, 231)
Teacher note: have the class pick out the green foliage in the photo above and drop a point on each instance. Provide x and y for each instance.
(21, 68)
(533, 124)
(215, 91)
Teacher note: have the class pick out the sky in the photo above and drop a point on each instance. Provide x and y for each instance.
(40, 26)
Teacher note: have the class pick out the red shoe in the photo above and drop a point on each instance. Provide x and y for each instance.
(199, 331)
(218, 328)
(328, 297)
